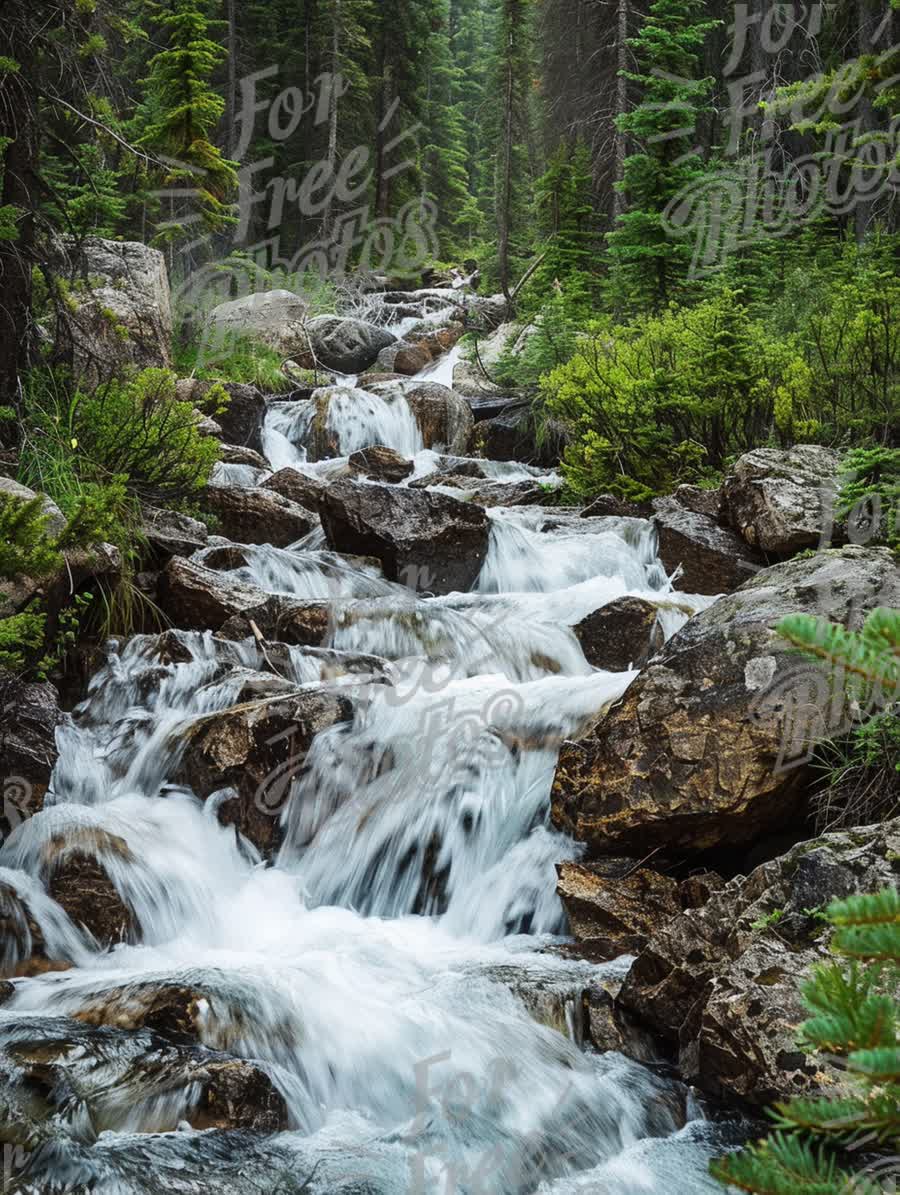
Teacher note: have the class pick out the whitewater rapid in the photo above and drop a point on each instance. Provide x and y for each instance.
(393, 969)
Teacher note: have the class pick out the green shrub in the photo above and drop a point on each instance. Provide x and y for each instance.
(854, 1017)
(26, 550)
(236, 359)
(672, 397)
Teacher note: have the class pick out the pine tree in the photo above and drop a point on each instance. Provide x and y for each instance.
(179, 114)
(649, 266)
(854, 1015)
(568, 221)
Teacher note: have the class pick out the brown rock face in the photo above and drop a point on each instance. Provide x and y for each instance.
(689, 760)
(29, 716)
(74, 870)
(782, 502)
(428, 541)
(721, 983)
(258, 750)
(198, 598)
(381, 464)
(622, 635)
(713, 559)
(258, 516)
(612, 909)
(403, 358)
(445, 420)
(242, 421)
(300, 488)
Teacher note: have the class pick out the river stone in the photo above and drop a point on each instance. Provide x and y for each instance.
(172, 533)
(693, 757)
(74, 871)
(257, 750)
(275, 319)
(379, 463)
(721, 983)
(485, 492)
(609, 506)
(403, 358)
(699, 500)
(29, 716)
(345, 345)
(196, 598)
(299, 487)
(614, 907)
(712, 559)
(121, 310)
(444, 418)
(235, 454)
(242, 420)
(430, 542)
(782, 501)
(620, 636)
(258, 516)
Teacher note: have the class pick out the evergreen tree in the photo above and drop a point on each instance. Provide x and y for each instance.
(567, 220)
(179, 114)
(649, 265)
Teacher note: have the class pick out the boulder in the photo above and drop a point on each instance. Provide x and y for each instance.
(444, 419)
(258, 516)
(514, 436)
(171, 533)
(197, 598)
(428, 541)
(29, 716)
(257, 750)
(721, 983)
(614, 906)
(235, 454)
(242, 420)
(703, 751)
(404, 358)
(121, 311)
(276, 319)
(485, 492)
(782, 501)
(711, 558)
(699, 500)
(299, 487)
(379, 463)
(623, 635)
(345, 345)
(75, 872)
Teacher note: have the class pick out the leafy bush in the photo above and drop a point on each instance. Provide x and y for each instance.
(854, 1016)
(670, 398)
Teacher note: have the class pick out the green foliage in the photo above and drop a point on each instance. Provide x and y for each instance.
(861, 775)
(870, 494)
(548, 342)
(866, 662)
(566, 217)
(26, 549)
(237, 359)
(670, 397)
(21, 637)
(854, 1017)
(649, 266)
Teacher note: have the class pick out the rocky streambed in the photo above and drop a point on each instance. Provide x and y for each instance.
(433, 848)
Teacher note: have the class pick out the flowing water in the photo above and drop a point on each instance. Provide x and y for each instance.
(392, 970)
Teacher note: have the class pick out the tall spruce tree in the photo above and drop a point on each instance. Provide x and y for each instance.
(649, 266)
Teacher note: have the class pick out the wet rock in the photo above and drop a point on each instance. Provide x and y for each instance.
(699, 500)
(7, 991)
(258, 749)
(782, 501)
(381, 464)
(444, 419)
(428, 541)
(514, 436)
(612, 908)
(242, 420)
(171, 533)
(712, 559)
(198, 598)
(721, 983)
(121, 310)
(485, 492)
(121, 1078)
(611, 1028)
(346, 345)
(275, 319)
(23, 949)
(692, 758)
(623, 635)
(403, 358)
(299, 487)
(75, 869)
(258, 516)
(297, 623)
(29, 716)
(234, 454)
(609, 506)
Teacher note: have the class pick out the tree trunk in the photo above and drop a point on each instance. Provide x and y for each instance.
(621, 101)
(505, 171)
(333, 115)
(231, 80)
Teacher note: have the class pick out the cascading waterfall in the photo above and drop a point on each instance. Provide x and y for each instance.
(390, 971)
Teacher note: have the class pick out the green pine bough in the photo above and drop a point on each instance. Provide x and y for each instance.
(868, 661)
(853, 1021)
